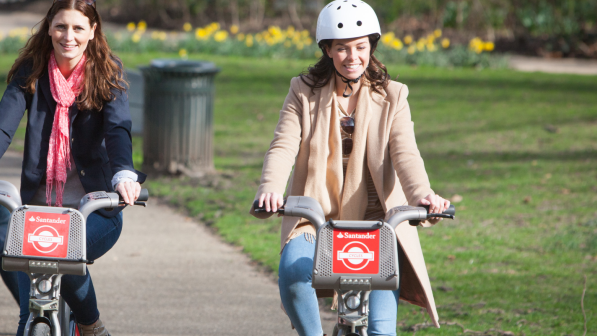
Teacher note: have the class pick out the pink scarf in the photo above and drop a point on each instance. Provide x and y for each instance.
(64, 91)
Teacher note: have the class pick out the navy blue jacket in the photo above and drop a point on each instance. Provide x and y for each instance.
(101, 142)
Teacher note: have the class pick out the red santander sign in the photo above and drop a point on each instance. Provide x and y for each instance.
(356, 252)
(46, 234)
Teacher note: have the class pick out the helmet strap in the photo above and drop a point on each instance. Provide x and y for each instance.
(348, 86)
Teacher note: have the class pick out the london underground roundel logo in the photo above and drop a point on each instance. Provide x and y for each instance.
(356, 255)
(45, 239)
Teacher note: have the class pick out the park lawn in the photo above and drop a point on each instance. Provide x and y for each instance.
(520, 148)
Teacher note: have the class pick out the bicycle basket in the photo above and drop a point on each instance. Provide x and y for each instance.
(45, 236)
(356, 255)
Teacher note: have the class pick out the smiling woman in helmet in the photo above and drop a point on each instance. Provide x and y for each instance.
(346, 129)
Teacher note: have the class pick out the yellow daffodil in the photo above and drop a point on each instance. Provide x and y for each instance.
(201, 34)
(240, 36)
(249, 40)
(308, 41)
(233, 29)
(163, 36)
(258, 37)
(445, 43)
(290, 31)
(187, 27)
(408, 39)
(437, 33)
(155, 35)
(387, 38)
(220, 35)
(274, 31)
(131, 26)
(397, 44)
(183, 53)
(489, 46)
(214, 26)
(136, 37)
(318, 53)
(305, 33)
(431, 47)
(420, 46)
(142, 26)
(300, 46)
(474, 42)
(411, 50)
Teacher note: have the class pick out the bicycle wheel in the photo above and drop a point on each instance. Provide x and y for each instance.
(41, 329)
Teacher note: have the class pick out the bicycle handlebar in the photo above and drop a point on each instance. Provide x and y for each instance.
(308, 208)
(11, 199)
(9, 196)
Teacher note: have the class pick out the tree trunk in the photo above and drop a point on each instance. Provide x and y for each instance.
(257, 11)
(294, 17)
(234, 13)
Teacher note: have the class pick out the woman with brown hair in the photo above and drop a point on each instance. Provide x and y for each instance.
(78, 137)
(345, 133)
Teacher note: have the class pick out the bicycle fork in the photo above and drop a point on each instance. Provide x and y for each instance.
(353, 312)
(44, 298)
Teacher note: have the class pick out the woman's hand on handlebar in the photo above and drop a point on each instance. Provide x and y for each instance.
(271, 201)
(436, 203)
(129, 191)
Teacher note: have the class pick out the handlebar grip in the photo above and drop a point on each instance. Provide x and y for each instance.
(143, 196)
(450, 211)
(259, 209)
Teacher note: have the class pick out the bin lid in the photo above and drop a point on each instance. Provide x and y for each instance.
(183, 66)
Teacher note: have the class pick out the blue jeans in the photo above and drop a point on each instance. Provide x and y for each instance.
(77, 291)
(300, 302)
(9, 278)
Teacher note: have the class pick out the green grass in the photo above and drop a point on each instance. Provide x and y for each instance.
(520, 148)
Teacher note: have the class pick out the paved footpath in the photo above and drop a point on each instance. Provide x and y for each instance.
(170, 276)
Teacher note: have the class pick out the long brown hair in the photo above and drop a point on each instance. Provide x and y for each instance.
(103, 71)
(319, 75)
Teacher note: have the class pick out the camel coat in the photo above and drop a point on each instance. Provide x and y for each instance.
(308, 138)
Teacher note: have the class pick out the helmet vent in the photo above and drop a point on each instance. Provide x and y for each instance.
(330, 5)
(353, 5)
(359, 23)
(340, 25)
(339, 7)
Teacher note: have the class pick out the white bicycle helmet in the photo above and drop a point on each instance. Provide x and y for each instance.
(343, 19)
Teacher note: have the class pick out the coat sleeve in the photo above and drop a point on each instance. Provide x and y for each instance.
(12, 108)
(405, 155)
(117, 134)
(283, 150)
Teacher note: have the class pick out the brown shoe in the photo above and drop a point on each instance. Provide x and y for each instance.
(96, 329)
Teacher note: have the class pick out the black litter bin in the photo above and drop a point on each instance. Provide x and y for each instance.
(178, 116)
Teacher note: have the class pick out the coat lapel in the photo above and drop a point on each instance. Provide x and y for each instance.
(377, 139)
(324, 168)
(44, 85)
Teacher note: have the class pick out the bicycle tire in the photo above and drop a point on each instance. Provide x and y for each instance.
(41, 329)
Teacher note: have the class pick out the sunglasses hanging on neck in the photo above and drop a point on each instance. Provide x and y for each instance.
(347, 125)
